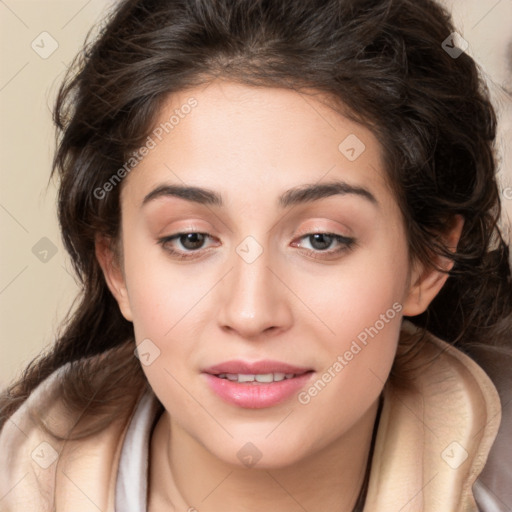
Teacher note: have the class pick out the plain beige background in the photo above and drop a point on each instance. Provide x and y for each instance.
(38, 40)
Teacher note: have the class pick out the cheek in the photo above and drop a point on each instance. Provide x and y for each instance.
(169, 305)
(160, 292)
(367, 288)
(361, 313)
(364, 331)
(358, 354)
(353, 380)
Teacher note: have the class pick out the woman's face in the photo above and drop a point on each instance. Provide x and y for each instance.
(257, 284)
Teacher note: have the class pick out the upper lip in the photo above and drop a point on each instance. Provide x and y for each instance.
(256, 367)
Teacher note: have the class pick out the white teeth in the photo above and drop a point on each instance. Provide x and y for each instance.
(260, 377)
(270, 377)
(264, 377)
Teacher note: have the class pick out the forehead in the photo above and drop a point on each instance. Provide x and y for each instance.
(244, 138)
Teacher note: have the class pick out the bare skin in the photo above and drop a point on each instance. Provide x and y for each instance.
(295, 302)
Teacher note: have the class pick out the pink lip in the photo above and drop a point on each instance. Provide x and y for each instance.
(256, 395)
(266, 366)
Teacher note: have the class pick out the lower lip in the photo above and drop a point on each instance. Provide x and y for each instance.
(257, 395)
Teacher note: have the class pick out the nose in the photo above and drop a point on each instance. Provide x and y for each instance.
(254, 299)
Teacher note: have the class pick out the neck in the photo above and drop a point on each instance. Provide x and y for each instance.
(186, 476)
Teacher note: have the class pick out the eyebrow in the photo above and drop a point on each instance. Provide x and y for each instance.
(297, 195)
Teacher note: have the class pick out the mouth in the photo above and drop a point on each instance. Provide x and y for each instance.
(258, 378)
(278, 369)
(256, 385)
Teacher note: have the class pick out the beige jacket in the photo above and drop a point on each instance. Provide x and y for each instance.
(431, 445)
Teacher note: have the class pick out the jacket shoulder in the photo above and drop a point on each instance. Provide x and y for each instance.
(492, 490)
(29, 452)
(42, 470)
(435, 433)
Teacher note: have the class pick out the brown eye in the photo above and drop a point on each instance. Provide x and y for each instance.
(191, 241)
(321, 241)
(184, 246)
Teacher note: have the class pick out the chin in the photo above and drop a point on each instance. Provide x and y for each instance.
(260, 453)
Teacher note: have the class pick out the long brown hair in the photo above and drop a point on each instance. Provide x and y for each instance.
(382, 61)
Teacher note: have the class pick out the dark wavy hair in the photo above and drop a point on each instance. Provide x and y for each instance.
(381, 62)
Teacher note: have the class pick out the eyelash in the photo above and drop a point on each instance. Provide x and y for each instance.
(347, 244)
